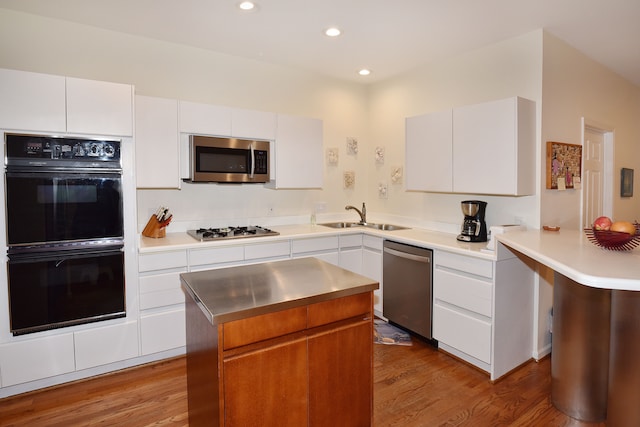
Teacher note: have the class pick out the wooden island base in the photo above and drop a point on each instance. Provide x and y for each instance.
(308, 365)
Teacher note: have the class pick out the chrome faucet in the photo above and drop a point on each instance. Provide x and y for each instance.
(362, 213)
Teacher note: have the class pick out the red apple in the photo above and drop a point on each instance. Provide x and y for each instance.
(602, 223)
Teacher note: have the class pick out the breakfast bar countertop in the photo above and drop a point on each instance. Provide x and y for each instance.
(569, 252)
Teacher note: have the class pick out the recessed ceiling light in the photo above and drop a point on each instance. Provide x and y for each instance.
(332, 32)
(364, 72)
(247, 5)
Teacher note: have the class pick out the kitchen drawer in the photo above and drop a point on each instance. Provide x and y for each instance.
(467, 264)
(162, 261)
(108, 344)
(160, 290)
(372, 242)
(267, 250)
(216, 255)
(259, 328)
(162, 331)
(463, 332)
(464, 291)
(34, 359)
(314, 245)
(350, 240)
(334, 310)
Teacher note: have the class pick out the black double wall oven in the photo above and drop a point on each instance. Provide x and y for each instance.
(65, 232)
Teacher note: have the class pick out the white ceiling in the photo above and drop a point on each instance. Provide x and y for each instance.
(387, 36)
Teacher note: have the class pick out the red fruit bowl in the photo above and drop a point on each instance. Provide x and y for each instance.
(614, 240)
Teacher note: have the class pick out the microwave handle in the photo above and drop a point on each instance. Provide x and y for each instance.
(253, 161)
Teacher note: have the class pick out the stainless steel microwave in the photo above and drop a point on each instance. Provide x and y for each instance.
(214, 159)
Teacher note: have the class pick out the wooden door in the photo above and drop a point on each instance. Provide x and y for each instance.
(267, 387)
(341, 376)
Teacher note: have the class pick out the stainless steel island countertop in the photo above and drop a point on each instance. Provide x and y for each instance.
(235, 293)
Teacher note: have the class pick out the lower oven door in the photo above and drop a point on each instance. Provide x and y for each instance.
(57, 289)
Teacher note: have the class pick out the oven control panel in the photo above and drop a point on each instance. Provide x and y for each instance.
(37, 150)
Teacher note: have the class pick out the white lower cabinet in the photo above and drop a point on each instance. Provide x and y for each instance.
(483, 309)
(463, 331)
(163, 330)
(351, 252)
(267, 251)
(107, 344)
(324, 248)
(161, 301)
(372, 267)
(31, 360)
(463, 306)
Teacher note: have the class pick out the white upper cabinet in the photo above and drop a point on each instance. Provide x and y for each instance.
(429, 152)
(47, 103)
(253, 124)
(494, 148)
(486, 148)
(204, 119)
(96, 107)
(297, 160)
(32, 101)
(157, 143)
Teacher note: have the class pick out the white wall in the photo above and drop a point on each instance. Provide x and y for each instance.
(509, 68)
(576, 87)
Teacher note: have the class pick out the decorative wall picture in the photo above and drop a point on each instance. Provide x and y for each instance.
(332, 156)
(349, 179)
(626, 182)
(564, 165)
(379, 155)
(352, 146)
(396, 175)
(383, 190)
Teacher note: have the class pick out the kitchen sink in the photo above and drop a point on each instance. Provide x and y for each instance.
(341, 224)
(385, 227)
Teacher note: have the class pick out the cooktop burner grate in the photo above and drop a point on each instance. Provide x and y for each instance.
(208, 234)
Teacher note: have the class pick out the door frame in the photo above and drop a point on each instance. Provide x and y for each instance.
(608, 160)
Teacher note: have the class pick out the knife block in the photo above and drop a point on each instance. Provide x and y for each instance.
(153, 229)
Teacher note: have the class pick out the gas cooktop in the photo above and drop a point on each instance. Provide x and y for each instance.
(208, 234)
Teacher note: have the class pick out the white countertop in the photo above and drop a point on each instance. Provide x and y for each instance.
(411, 236)
(570, 253)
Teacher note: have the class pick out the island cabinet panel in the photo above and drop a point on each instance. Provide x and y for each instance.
(269, 377)
(310, 365)
(335, 310)
(254, 329)
(340, 380)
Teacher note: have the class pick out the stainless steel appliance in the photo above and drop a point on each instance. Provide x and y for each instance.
(208, 234)
(407, 292)
(232, 160)
(65, 231)
(474, 228)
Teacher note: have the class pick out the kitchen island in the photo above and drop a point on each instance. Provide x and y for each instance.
(286, 343)
(596, 324)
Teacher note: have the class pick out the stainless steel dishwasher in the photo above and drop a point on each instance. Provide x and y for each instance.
(407, 287)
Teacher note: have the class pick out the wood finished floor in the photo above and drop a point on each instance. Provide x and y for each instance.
(414, 386)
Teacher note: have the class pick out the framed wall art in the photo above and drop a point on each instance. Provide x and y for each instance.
(564, 165)
(626, 182)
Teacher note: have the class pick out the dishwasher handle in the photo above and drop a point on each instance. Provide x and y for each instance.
(424, 259)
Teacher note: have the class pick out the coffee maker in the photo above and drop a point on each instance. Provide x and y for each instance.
(474, 229)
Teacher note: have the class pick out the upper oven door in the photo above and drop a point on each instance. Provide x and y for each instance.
(52, 208)
(228, 160)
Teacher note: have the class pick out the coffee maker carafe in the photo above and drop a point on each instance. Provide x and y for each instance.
(474, 229)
